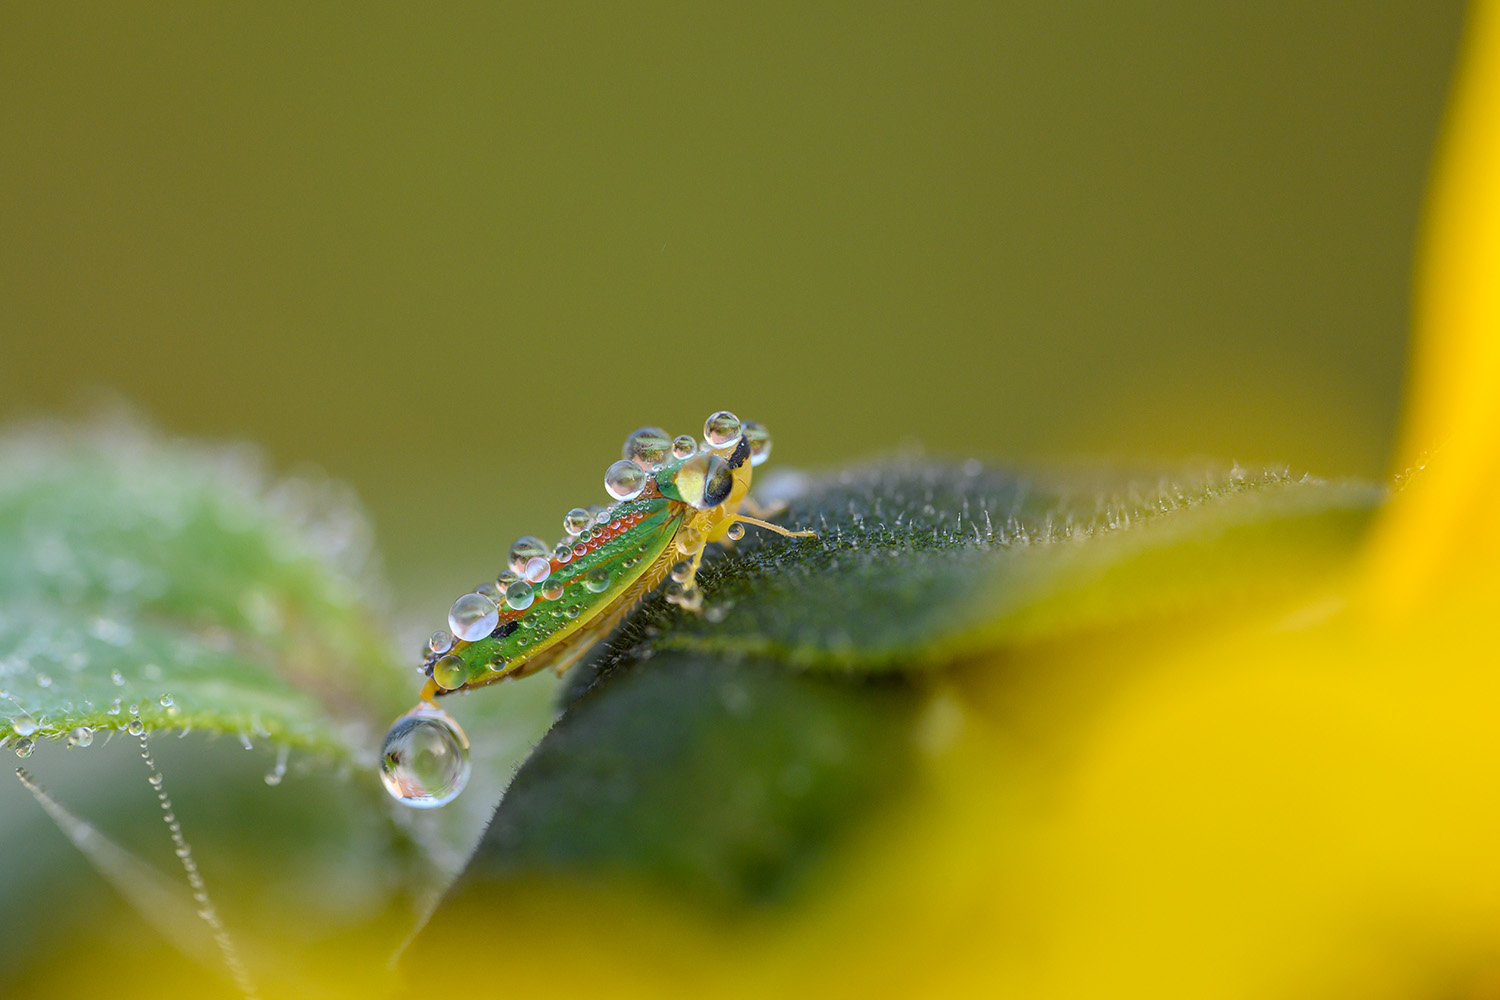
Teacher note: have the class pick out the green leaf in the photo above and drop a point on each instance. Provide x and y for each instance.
(720, 757)
(178, 581)
(917, 565)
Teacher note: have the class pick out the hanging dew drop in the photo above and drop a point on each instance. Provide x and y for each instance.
(274, 776)
(449, 672)
(135, 727)
(538, 568)
(736, 532)
(525, 549)
(472, 617)
(683, 446)
(166, 701)
(440, 642)
(24, 747)
(80, 737)
(624, 480)
(577, 519)
(424, 761)
(597, 579)
(519, 595)
(760, 442)
(648, 447)
(721, 429)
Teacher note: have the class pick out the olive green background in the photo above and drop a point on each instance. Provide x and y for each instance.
(453, 255)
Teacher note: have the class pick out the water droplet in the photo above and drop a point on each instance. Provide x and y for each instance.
(760, 442)
(736, 532)
(681, 571)
(683, 446)
(135, 710)
(624, 480)
(117, 678)
(490, 590)
(449, 672)
(648, 447)
(424, 761)
(721, 429)
(524, 550)
(24, 747)
(166, 701)
(553, 590)
(505, 579)
(135, 727)
(23, 724)
(274, 776)
(114, 707)
(519, 595)
(538, 569)
(80, 737)
(576, 520)
(597, 579)
(440, 642)
(472, 617)
(563, 553)
(43, 680)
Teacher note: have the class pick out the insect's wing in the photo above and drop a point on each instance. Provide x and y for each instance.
(615, 559)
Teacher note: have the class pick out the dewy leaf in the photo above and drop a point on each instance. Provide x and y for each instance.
(918, 564)
(720, 757)
(176, 581)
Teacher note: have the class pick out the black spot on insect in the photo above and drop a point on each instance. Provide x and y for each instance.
(740, 455)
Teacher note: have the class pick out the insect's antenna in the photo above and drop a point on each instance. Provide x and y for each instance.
(206, 910)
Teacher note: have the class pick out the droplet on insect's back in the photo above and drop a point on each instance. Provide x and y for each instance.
(472, 617)
(760, 442)
(624, 480)
(525, 549)
(648, 447)
(721, 429)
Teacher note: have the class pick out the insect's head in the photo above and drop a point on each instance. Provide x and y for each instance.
(717, 470)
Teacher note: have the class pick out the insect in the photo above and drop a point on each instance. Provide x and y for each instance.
(552, 604)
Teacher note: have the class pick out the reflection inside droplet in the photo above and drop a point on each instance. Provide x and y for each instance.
(424, 761)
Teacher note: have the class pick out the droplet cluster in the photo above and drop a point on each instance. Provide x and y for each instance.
(541, 590)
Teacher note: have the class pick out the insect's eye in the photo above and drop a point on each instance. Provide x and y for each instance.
(718, 482)
(703, 481)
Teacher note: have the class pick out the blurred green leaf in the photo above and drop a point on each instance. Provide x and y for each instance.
(720, 756)
(179, 581)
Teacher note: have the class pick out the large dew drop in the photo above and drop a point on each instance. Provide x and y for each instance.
(648, 447)
(472, 617)
(424, 761)
(721, 429)
(624, 480)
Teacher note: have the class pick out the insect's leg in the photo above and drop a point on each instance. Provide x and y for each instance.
(775, 527)
(689, 596)
(750, 506)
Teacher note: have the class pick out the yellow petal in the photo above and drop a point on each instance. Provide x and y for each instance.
(1441, 534)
